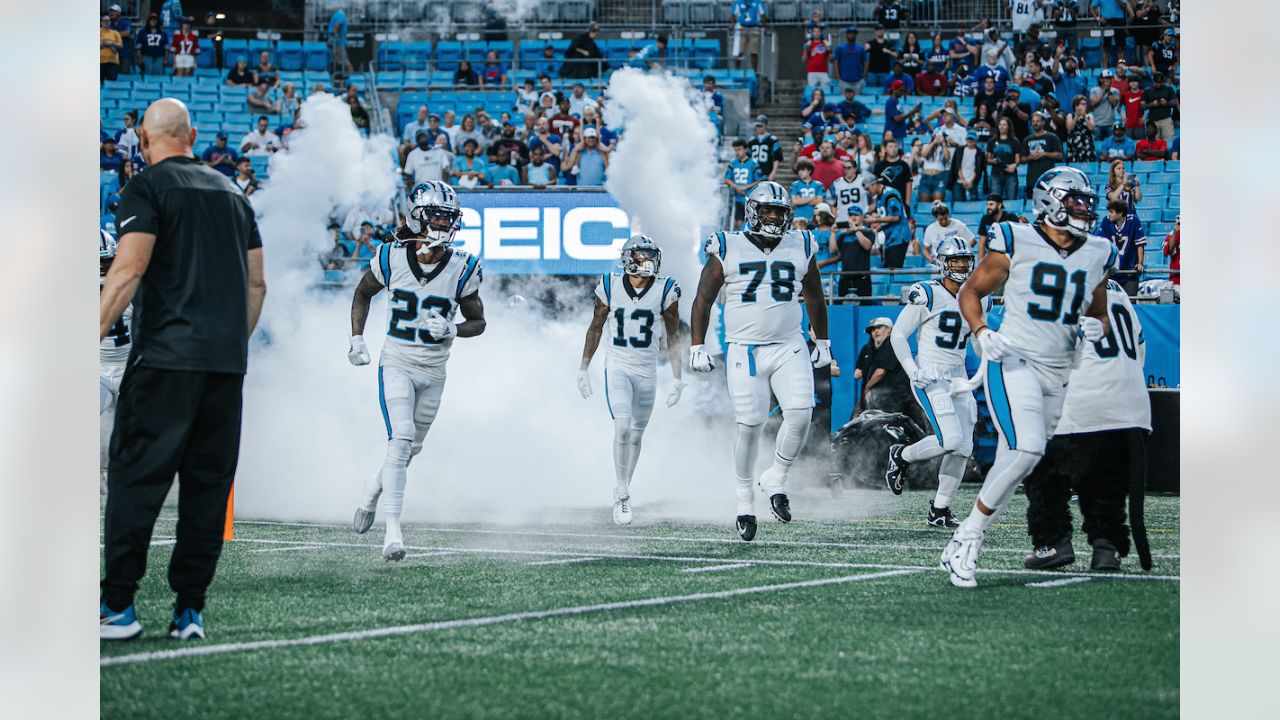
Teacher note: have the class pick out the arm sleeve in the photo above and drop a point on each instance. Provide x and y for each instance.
(472, 275)
(908, 320)
(715, 245)
(138, 211)
(601, 290)
(381, 260)
(996, 241)
(255, 238)
(670, 294)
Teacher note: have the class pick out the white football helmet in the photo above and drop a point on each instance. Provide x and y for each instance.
(1064, 199)
(107, 247)
(954, 259)
(434, 212)
(649, 260)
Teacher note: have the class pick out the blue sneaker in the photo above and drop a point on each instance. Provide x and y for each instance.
(122, 625)
(186, 625)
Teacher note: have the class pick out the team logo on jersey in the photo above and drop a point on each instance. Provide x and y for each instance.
(913, 297)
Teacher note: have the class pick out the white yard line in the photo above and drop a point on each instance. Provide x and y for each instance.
(942, 537)
(1059, 583)
(287, 549)
(192, 651)
(593, 552)
(717, 568)
(564, 561)
(435, 553)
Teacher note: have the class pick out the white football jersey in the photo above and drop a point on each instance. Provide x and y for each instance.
(114, 348)
(635, 320)
(414, 292)
(943, 337)
(1108, 389)
(1048, 289)
(847, 193)
(762, 289)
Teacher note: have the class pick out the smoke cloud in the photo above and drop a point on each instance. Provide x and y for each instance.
(663, 171)
(513, 441)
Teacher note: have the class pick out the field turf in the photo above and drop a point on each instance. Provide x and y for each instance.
(824, 617)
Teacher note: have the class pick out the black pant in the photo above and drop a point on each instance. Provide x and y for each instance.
(167, 422)
(1099, 467)
(108, 72)
(895, 256)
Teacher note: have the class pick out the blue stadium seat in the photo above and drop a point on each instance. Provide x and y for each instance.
(317, 55)
(474, 51)
(205, 73)
(415, 79)
(417, 55)
(289, 56)
(257, 46)
(390, 79)
(234, 49)
(1172, 166)
(390, 56)
(448, 53)
(206, 58)
(706, 52)
(291, 76)
(505, 50)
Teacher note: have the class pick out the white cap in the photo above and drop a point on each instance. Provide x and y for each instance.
(823, 208)
(590, 132)
(879, 322)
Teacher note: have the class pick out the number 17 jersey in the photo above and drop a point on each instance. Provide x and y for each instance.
(635, 321)
(1048, 290)
(762, 302)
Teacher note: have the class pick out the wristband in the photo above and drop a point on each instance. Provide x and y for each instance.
(984, 327)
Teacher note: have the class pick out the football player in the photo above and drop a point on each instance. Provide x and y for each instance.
(1054, 277)
(629, 304)
(428, 282)
(1098, 450)
(766, 271)
(113, 355)
(943, 342)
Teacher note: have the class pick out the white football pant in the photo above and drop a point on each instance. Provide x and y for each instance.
(952, 418)
(409, 400)
(629, 396)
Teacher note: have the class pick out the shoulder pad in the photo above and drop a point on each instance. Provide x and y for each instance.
(921, 293)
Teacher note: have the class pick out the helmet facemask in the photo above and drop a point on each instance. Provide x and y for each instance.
(437, 223)
(957, 267)
(641, 262)
(769, 219)
(1075, 212)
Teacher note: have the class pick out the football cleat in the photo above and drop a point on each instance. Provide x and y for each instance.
(781, 507)
(622, 510)
(393, 551)
(121, 625)
(747, 527)
(895, 476)
(186, 625)
(363, 519)
(1047, 557)
(941, 518)
(1105, 555)
(960, 558)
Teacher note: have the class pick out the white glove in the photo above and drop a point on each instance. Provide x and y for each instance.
(923, 378)
(674, 396)
(992, 346)
(438, 327)
(821, 355)
(584, 384)
(1091, 328)
(700, 359)
(357, 353)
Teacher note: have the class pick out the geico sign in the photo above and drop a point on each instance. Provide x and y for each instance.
(543, 233)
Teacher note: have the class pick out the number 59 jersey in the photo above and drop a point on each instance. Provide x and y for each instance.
(762, 303)
(416, 292)
(1048, 289)
(635, 320)
(943, 337)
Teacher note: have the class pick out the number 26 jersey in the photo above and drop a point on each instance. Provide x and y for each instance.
(1048, 290)
(635, 320)
(762, 302)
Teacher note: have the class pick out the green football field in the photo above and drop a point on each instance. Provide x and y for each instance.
(823, 617)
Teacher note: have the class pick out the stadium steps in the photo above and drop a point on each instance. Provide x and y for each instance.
(784, 122)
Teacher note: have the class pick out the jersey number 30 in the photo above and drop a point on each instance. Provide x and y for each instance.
(782, 276)
(408, 312)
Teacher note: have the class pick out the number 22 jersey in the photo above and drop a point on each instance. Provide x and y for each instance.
(415, 291)
(762, 302)
(1048, 290)
(635, 320)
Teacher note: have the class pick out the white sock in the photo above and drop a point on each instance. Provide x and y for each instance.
(949, 476)
(925, 449)
(392, 533)
(745, 453)
(633, 453)
(622, 454)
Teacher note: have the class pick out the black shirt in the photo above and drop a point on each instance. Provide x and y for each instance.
(890, 15)
(877, 58)
(1155, 92)
(898, 177)
(988, 220)
(766, 151)
(1048, 142)
(240, 78)
(191, 310)
(853, 256)
(883, 358)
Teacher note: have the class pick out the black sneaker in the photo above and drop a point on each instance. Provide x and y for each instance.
(1047, 557)
(1105, 555)
(895, 475)
(747, 527)
(942, 518)
(781, 507)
